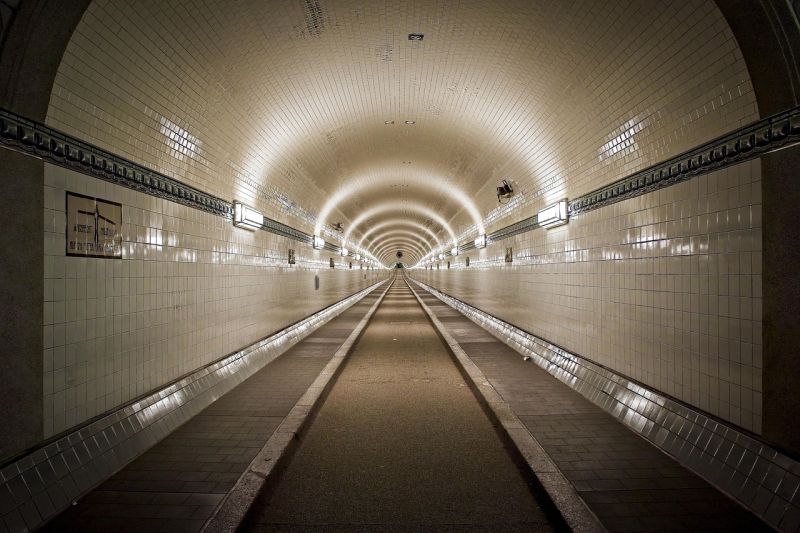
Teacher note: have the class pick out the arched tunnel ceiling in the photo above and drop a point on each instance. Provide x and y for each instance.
(308, 100)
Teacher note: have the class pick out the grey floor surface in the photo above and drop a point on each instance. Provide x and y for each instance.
(627, 482)
(176, 485)
(400, 444)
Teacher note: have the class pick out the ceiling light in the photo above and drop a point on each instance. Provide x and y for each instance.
(416, 36)
(480, 241)
(441, 256)
(410, 122)
(246, 217)
(319, 242)
(454, 251)
(554, 215)
(344, 252)
(388, 122)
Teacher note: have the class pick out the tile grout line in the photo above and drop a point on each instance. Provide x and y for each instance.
(230, 513)
(570, 505)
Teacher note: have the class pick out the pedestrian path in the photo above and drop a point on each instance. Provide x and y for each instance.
(627, 482)
(400, 444)
(176, 485)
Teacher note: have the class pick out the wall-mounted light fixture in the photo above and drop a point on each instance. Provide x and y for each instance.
(441, 256)
(246, 217)
(358, 257)
(480, 242)
(454, 251)
(554, 215)
(504, 190)
(344, 252)
(319, 242)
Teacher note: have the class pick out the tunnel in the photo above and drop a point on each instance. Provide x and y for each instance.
(443, 265)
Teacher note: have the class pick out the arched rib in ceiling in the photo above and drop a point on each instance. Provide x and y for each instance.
(400, 207)
(409, 241)
(400, 243)
(295, 105)
(409, 233)
(409, 256)
(389, 177)
(398, 222)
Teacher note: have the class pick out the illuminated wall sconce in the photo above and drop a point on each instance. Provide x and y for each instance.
(480, 242)
(358, 257)
(454, 251)
(319, 242)
(554, 215)
(344, 252)
(246, 217)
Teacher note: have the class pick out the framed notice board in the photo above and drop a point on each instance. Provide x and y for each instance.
(94, 227)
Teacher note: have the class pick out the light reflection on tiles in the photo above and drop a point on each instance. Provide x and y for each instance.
(44, 482)
(743, 467)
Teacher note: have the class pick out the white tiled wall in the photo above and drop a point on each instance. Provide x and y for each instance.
(664, 288)
(254, 100)
(189, 289)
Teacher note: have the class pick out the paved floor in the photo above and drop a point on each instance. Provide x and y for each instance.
(401, 443)
(627, 482)
(176, 485)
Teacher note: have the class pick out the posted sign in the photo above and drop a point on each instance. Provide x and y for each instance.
(94, 227)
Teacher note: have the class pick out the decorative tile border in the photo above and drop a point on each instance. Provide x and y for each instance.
(47, 480)
(748, 470)
(38, 140)
(752, 141)
(749, 142)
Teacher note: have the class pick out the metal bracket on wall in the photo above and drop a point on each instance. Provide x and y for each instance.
(749, 142)
(52, 146)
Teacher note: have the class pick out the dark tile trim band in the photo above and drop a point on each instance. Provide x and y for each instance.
(756, 475)
(39, 485)
(746, 143)
(38, 140)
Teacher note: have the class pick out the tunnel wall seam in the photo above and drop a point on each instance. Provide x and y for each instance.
(45, 481)
(759, 477)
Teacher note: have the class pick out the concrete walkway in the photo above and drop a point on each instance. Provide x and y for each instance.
(627, 482)
(401, 443)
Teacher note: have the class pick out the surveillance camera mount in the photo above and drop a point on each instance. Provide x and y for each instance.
(504, 190)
